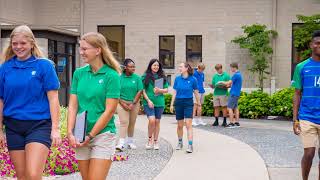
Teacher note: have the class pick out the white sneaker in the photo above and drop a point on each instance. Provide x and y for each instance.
(194, 122)
(120, 147)
(131, 146)
(149, 146)
(156, 146)
(200, 121)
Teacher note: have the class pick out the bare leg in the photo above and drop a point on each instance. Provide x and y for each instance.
(306, 162)
(36, 156)
(99, 169)
(18, 158)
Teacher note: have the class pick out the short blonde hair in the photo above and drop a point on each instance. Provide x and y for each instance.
(201, 66)
(97, 40)
(25, 31)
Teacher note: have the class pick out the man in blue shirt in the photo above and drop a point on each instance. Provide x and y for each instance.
(197, 109)
(306, 104)
(236, 84)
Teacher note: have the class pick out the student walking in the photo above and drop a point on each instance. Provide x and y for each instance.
(197, 110)
(220, 98)
(29, 104)
(129, 104)
(306, 122)
(153, 101)
(236, 84)
(185, 85)
(95, 90)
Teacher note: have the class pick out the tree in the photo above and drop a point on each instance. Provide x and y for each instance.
(303, 32)
(256, 39)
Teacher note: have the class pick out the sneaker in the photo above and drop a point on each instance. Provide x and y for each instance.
(194, 123)
(230, 125)
(149, 145)
(216, 123)
(224, 124)
(190, 149)
(120, 147)
(200, 121)
(179, 146)
(132, 146)
(237, 124)
(156, 146)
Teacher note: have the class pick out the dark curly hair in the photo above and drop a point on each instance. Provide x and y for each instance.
(149, 75)
(125, 63)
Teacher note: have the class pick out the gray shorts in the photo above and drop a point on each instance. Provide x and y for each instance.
(101, 147)
(233, 102)
(220, 101)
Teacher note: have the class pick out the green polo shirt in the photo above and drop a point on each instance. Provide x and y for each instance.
(130, 86)
(158, 100)
(92, 90)
(215, 79)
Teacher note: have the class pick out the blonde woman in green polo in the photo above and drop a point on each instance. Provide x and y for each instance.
(128, 108)
(95, 89)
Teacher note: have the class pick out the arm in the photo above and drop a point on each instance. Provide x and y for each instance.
(145, 96)
(2, 140)
(72, 113)
(196, 93)
(172, 100)
(111, 106)
(55, 115)
(228, 83)
(296, 104)
(135, 101)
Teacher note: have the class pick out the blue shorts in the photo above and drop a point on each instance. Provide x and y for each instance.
(183, 108)
(233, 102)
(21, 132)
(156, 111)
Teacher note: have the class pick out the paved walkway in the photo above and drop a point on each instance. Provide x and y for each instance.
(215, 156)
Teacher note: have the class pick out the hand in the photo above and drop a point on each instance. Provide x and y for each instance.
(73, 141)
(125, 106)
(85, 142)
(199, 104)
(296, 128)
(150, 104)
(55, 137)
(131, 106)
(156, 90)
(2, 139)
(171, 108)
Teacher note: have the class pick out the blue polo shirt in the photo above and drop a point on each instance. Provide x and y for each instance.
(200, 78)
(185, 86)
(307, 78)
(24, 86)
(236, 84)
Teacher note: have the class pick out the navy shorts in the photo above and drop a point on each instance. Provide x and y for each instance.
(183, 108)
(156, 111)
(233, 102)
(21, 132)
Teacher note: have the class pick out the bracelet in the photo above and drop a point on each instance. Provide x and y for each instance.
(90, 136)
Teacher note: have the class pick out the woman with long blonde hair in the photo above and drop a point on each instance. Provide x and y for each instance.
(29, 104)
(95, 90)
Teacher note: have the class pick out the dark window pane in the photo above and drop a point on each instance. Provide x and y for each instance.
(194, 49)
(166, 51)
(115, 40)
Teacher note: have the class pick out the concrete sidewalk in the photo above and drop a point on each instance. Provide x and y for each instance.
(215, 156)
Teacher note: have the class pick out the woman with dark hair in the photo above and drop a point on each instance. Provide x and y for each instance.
(184, 87)
(128, 107)
(155, 85)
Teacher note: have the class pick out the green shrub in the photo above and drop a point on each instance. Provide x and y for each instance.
(281, 102)
(254, 105)
(207, 107)
(167, 99)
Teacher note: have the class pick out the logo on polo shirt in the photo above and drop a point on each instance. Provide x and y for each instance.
(189, 82)
(100, 81)
(133, 81)
(33, 73)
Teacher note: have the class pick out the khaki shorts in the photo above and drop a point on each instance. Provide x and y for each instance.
(101, 147)
(220, 101)
(310, 134)
(201, 95)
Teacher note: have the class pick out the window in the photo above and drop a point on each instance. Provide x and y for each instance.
(194, 49)
(115, 39)
(169, 79)
(166, 51)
